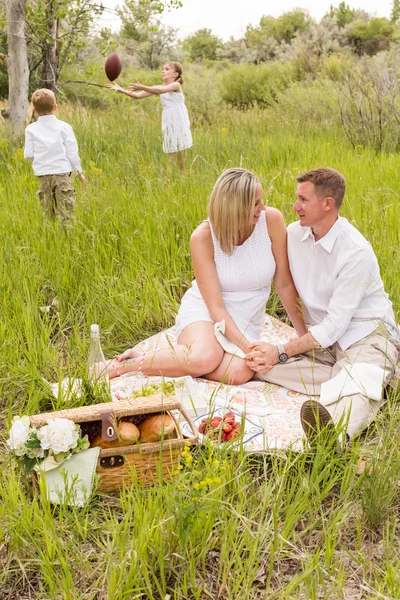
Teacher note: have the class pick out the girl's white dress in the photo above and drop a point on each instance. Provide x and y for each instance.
(175, 123)
(245, 278)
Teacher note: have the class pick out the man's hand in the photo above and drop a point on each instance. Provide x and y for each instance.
(262, 357)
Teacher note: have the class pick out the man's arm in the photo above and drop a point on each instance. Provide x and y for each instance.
(350, 286)
(264, 356)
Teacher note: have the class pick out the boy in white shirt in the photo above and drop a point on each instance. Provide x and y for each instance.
(52, 147)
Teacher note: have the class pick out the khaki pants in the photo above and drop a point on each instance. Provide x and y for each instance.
(57, 197)
(305, 374)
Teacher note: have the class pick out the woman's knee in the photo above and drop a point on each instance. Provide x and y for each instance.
(240, 374)
(203, 361)
(232, 371)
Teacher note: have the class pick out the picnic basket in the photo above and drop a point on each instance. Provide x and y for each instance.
(146, 462)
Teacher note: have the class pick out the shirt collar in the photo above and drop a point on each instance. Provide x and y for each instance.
(329, 239)
(46, 117)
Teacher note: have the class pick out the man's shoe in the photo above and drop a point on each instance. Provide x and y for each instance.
(315, 418)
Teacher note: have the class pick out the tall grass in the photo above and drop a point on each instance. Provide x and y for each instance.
(231, 527)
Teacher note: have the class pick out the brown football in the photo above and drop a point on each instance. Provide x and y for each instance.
(113, 66)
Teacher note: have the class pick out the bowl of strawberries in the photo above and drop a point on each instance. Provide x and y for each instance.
(217, 428)
(226, 427)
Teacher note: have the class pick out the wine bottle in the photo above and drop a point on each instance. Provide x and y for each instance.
(96, 361)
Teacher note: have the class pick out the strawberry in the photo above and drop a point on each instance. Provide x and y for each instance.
(229, 417)
(215, 422)
(202, 426)
(229, 436)
(227, 427)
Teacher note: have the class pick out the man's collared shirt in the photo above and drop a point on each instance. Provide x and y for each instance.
(52, 147)
(339, 284)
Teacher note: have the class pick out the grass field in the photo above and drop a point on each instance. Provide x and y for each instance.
(288, 526)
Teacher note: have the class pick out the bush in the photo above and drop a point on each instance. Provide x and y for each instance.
(314, 103)
(202, 95)
(244, 86)
(370, 103)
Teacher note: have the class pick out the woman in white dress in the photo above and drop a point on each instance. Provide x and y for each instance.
(236, 254)
(175, 119)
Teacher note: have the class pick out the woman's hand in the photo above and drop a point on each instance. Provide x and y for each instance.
(135, 87)
(262, 357)
(114, 86)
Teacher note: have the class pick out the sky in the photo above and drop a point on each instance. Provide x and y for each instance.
(230, 17)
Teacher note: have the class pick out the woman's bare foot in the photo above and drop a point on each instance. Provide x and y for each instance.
(131, 353)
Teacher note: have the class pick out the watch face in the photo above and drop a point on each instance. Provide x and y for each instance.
(283, 357)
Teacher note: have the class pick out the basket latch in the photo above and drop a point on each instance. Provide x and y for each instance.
(108, 432)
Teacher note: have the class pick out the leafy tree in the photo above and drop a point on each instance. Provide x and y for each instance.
(395, 14)
(266, 37)
(142, 32)
(56, 31)
(203, 44)
(372, 37)
(288, 24)
(342, 15)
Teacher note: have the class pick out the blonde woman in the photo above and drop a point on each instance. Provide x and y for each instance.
(175, 119)
(236, 254)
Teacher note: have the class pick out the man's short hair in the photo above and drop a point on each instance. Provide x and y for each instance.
(328, 183)
(43, 101)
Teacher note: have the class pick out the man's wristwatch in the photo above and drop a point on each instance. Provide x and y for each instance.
(282, 356)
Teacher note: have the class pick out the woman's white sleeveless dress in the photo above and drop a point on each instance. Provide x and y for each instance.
(245, 278)
(175, 123)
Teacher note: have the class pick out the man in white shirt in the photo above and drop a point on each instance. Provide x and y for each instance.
(352, 346)
(52, 147)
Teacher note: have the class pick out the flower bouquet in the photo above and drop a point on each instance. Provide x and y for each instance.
(46, 447)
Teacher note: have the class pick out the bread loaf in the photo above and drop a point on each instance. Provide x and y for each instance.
(127, 433)
(156, 427)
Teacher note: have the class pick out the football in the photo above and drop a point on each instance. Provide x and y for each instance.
(113, 66)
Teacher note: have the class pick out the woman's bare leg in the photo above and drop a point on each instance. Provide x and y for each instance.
(198, 352)
(232, 370)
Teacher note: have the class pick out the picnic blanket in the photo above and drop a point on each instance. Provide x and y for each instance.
(272, 412)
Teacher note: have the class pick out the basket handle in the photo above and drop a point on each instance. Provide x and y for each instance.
(192, 426)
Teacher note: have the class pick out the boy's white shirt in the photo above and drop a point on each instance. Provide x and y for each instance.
(52, 147)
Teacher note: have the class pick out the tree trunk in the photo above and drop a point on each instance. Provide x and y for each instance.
(17, 67)
(50, 51)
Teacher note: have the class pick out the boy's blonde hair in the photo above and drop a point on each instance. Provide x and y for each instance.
(178, 68)
(43, 101)
(231, 207)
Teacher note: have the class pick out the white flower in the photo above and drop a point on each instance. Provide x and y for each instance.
(59, 435)
(19, 434)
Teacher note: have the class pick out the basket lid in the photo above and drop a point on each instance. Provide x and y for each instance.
(157, 402)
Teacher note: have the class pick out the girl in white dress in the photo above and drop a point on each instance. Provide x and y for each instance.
(175, 119)
(236, 253)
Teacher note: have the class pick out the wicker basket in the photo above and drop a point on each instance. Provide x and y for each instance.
(146, 463)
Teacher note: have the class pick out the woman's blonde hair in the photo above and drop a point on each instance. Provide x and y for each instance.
(231, 207)
(178, 68)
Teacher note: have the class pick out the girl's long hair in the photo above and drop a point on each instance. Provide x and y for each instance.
(231, 207)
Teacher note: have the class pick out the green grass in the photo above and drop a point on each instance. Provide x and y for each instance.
(290, 526)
